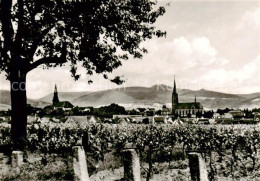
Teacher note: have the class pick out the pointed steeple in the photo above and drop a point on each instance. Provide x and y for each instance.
(195, 99)
(175, 100)
(55, 99)
(174, 86)
(55, 89)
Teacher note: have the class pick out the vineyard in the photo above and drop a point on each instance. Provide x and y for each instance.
(229, 151)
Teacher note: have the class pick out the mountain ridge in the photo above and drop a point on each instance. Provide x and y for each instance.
(150, 96)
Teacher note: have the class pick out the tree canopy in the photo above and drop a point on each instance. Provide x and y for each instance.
(95, 34)
(109, 111)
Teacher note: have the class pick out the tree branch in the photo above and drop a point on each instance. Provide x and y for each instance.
(48, 60)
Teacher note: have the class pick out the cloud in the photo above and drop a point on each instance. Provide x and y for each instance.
(250, 20)
(243, 80)
(174, 56)
(197, 51)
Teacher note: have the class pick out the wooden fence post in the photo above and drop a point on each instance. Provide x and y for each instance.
(197, 166)
(131, 165)
(80, 164)
(17, 160)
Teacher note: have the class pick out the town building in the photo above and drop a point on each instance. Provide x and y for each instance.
(124, 121)
(177, 121)
(125, 116)
(64, 105)
(257, 117)
(216, 116)
(237, 113)
(165, 110)
(162, 120)
(81, 121)
(228, 116)
(186, 109)
(203, 121)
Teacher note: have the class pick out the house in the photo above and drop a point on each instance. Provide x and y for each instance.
(165, 110)
(81, 121)
(124, 121)
(203, 121)
(257, 117)
(247, 121)
(140, 111)
(216, 115)
(228, 116)
(137, 120)
(158, 120)
(237, 113)
(48, 109)
(168, 120)
(149, 112)
(64, 105)
(162, 120)
(125, 116)
(177, 121)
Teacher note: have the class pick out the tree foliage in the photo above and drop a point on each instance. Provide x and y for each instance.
(95, 34)
(109, 111)
(223, 111)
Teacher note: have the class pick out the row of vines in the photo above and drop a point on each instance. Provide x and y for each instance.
(230, 151)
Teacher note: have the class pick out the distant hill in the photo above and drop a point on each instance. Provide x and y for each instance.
(154, 96)
(5, 100)
(63, 96)
(161, 94)
(211, 94)
(250, 96)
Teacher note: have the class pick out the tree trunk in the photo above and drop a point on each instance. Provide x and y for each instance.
(19, 109)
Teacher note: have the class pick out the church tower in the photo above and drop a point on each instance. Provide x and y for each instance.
(175, 100)
(55, 99)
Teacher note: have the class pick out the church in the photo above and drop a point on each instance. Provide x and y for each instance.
(64, 105)
(187, 109)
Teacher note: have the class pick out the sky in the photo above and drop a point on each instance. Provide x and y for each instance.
(210, 44)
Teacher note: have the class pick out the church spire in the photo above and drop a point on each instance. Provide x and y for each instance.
(175, 100)
(55, 99)
(195, 99)
(174, 86)
(55, 89)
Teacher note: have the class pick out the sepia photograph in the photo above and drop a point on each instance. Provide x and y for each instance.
(130, 90)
